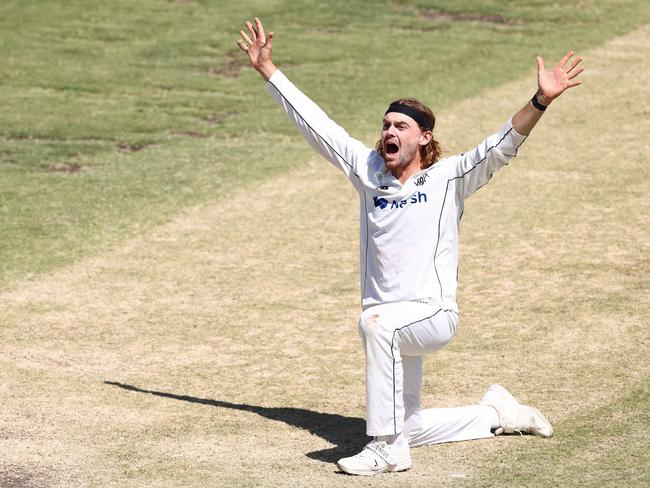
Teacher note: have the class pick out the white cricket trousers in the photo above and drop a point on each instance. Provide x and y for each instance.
(396, 337)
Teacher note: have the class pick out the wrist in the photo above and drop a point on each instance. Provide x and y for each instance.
(539, 101)
(266, 70)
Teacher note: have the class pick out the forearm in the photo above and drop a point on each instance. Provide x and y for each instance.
(524, 120)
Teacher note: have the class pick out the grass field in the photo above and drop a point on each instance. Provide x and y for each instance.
(174, 310)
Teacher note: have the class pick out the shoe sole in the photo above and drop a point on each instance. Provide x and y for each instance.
(385, 469)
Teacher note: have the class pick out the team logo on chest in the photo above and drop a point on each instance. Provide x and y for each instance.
(419, 181)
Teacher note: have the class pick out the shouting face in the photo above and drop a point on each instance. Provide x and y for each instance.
(401, 138)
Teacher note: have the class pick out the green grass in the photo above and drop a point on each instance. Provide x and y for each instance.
(82, 83)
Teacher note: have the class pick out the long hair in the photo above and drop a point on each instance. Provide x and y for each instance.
(430, 153)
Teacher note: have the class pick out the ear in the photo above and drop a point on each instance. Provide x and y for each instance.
(425, 138)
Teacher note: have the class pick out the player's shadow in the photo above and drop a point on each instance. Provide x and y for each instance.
(346, 433)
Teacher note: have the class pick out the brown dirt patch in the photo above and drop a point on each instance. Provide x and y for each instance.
(439, 16)
(128, 147)
(217, 118)
(232, 65)
(192, 133)
(64, 167)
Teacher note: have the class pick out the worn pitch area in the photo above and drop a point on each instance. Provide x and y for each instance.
(221, 349)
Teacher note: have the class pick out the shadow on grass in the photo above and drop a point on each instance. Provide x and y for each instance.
(346, 433)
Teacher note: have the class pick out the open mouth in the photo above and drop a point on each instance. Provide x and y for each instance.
(391, 148)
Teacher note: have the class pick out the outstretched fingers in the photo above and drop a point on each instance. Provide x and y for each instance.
(574, 70)
(255, 35)
(256, 31)
(573, 83)
(259, 30)
(565, 59)
(553, 82)
(258, 46)
(251, 30)
(574, 73)
(245, 42)
(570, 66)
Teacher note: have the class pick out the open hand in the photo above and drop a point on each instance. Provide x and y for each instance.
(258, 46)
(552, 83)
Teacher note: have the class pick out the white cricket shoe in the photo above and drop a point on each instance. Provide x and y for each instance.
(377, 457)
(515, 417)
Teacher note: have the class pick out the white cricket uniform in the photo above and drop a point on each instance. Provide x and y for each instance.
(408, 262)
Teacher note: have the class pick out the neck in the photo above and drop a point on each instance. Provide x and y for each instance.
(404, 172)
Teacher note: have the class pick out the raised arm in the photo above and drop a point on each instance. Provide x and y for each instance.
(322, 133)
(551, 84)
(474, 168)
(259, 48)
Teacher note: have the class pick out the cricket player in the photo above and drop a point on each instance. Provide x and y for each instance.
(411, 202)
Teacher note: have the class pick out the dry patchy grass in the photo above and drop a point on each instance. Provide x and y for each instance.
(221, 349)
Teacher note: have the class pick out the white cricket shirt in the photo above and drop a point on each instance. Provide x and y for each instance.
(409, 232)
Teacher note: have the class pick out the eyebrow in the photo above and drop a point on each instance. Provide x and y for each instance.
(398, 122)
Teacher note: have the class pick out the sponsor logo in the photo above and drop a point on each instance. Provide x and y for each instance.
(383, 203)
(380, 202)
